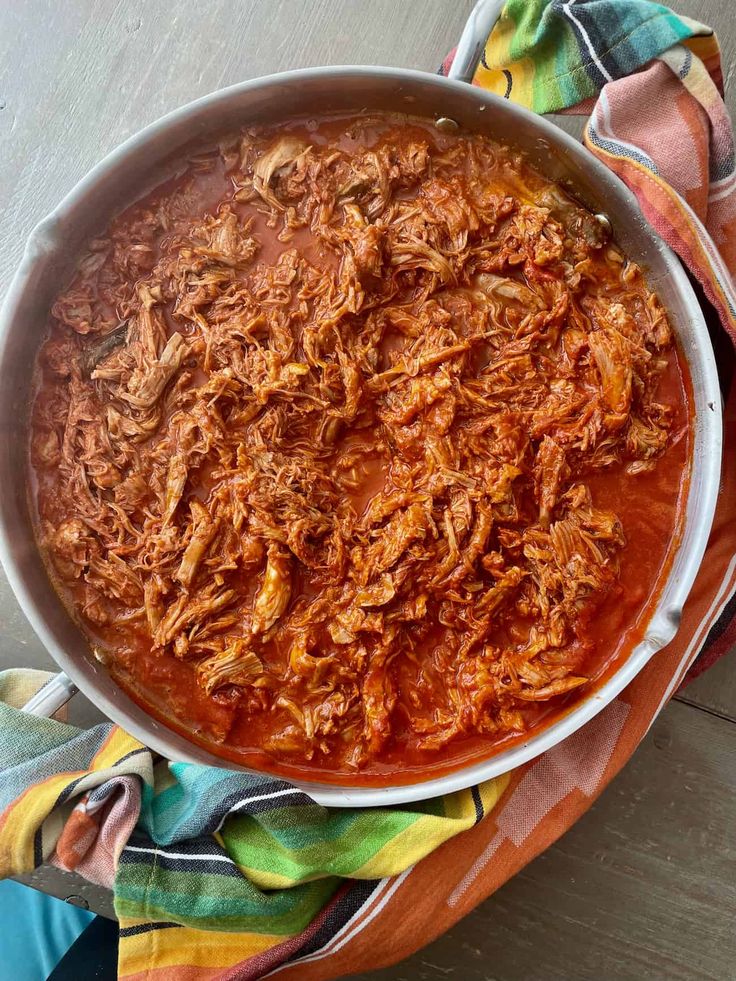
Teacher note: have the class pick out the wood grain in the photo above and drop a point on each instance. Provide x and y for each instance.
(643, 886)
(108, 68)
(715, 690)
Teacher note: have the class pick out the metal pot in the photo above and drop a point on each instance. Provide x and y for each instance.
(144, 161)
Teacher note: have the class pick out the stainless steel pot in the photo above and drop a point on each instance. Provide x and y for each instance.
(142, 162)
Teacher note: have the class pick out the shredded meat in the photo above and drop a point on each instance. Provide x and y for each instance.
(318, 429)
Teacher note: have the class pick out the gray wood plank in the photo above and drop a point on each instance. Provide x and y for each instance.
(643, 886)
(105, 68)
(715, 690)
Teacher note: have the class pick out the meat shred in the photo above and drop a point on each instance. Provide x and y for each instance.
(317, 423)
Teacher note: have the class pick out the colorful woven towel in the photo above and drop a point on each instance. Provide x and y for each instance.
(664, 129)
(220, 875)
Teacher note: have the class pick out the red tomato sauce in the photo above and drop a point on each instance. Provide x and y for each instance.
(359, 450)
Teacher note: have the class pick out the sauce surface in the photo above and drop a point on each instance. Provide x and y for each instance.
(358, 449)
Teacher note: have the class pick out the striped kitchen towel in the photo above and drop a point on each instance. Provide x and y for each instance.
(220, 875)
(652, 84)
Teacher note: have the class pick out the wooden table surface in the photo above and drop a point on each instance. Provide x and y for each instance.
(645, 884)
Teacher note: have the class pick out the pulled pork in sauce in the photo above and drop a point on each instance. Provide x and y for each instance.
(322, 436)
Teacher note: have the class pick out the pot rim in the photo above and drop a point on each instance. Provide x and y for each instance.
(47, 237)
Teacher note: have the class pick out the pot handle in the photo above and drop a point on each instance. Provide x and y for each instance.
(49, 699)
(478, 26)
